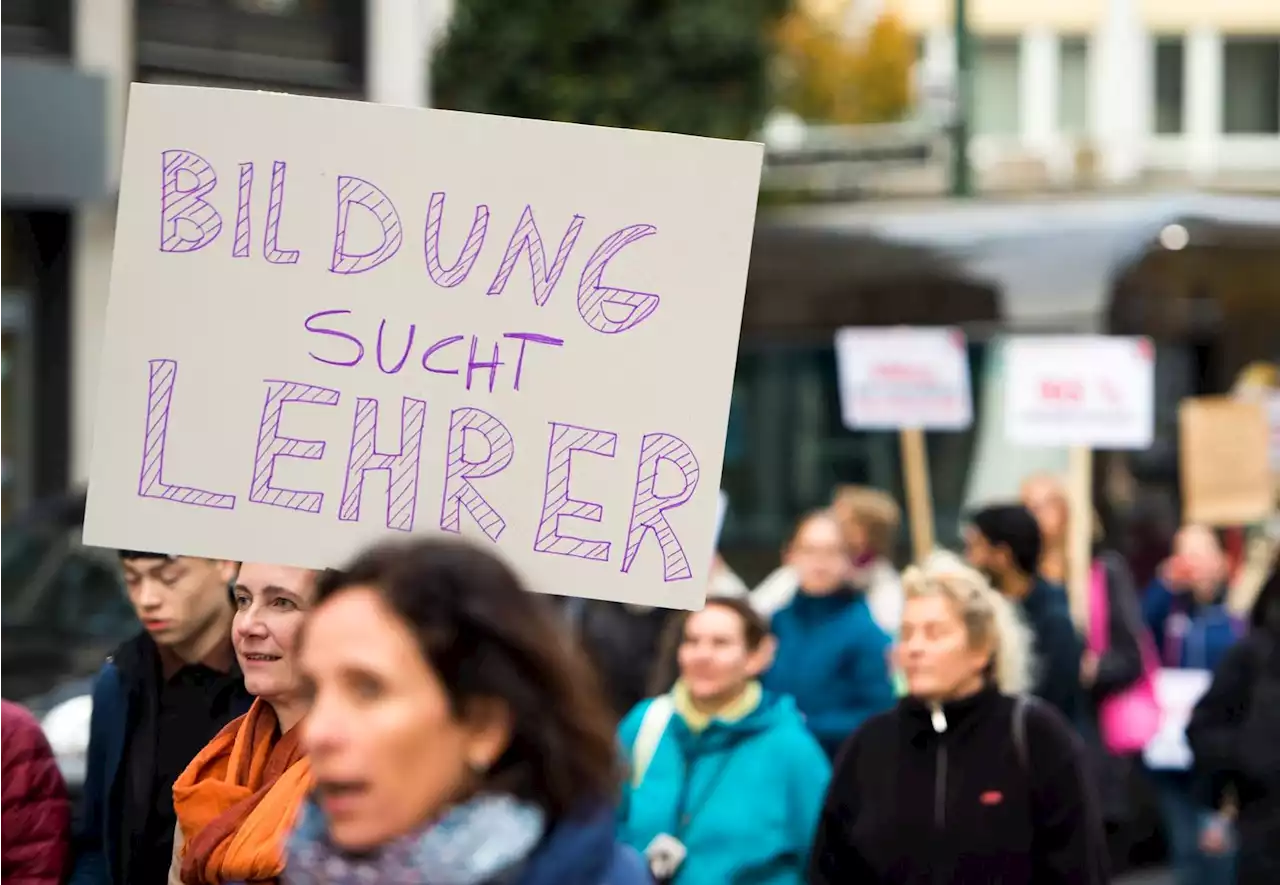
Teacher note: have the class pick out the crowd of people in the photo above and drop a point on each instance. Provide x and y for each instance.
(418, 717)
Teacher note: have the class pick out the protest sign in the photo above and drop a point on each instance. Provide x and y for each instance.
(1083, 390)
(332, 322)
(903, 378)
(1224, 461)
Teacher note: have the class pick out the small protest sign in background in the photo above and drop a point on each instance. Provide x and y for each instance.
(1223, 447)
(909, 380)
(332, 322)
(1081, 390)
(896, 378)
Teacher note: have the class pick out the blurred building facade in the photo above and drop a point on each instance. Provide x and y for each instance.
(67, 69)
(1114, 91)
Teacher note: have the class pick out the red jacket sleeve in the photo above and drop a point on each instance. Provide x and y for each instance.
(35, 828)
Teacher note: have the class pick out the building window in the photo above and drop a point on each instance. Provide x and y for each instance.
(996, 86)
(1073, 86)
(314, 46)
(1251, 86)
(36, 27)
(1170, 58)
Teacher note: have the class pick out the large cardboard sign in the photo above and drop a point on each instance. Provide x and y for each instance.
(904, 378)
(1225, 461)
(334, 321)
(1092, 391)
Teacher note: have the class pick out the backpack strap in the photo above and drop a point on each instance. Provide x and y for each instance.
(1020, 704)
(654, 724)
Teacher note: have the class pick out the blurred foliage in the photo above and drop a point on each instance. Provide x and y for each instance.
(697, 67)
(829, 77)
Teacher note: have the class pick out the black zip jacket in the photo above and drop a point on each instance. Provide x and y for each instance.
(968, 806)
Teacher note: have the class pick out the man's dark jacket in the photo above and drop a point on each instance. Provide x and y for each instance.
(118, 691)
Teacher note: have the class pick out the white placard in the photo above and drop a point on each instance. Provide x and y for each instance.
(896, 378)
(721, 509)
(1082, 390)
(333, 322)
(1178, 690)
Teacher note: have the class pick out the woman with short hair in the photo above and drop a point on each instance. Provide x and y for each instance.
(239, 797)
(965, 780)
(726, 780)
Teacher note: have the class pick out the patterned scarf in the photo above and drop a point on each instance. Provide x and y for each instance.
(484, 841)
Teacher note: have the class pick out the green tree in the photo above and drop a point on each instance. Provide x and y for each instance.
(694, 66)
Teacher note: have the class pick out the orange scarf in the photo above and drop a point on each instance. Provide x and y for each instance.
(237, 801)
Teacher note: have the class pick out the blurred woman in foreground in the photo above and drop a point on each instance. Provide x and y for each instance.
(455, 736)
(726, 780)
(961, 782)
(239, 797)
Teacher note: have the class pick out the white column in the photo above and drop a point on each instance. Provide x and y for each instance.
(103, 41)
(1202, 100)
(1118, 84)
(936, 72)
(397, 52)
(1039, 72)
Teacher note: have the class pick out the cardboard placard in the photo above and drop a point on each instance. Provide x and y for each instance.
(1224, 453)
(333, 322)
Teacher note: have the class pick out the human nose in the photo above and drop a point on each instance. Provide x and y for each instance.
(324, 727)
(149, 593)
(248, 622)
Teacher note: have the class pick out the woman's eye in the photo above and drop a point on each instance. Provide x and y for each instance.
(366, 688)
(282, 602)
(242, 602)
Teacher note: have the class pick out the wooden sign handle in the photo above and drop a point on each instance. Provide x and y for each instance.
(915, 478)
(1079, 533)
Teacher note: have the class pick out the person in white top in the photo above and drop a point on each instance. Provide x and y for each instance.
(870, 519)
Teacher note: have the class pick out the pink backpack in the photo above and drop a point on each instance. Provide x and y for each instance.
(1130, 718)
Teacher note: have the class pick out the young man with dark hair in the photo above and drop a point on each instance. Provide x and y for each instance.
(1004, 543)
(156, 702)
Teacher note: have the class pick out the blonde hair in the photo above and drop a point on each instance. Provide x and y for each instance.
(989, 618)
(877, 513)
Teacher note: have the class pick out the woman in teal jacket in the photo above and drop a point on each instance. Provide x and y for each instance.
(726, 783)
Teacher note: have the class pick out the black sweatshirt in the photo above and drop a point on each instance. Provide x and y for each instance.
(909, 806)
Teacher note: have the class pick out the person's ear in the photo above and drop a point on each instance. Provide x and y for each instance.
(227, 570)
(489, 725)
(761, 658)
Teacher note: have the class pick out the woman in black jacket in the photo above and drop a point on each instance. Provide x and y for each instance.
(963, 782)
(1235, 735)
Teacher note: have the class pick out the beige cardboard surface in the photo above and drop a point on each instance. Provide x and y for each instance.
(333, 322)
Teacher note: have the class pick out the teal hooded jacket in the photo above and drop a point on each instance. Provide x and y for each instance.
(743, 797)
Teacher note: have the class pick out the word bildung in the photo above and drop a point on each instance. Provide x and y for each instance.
(347, 321)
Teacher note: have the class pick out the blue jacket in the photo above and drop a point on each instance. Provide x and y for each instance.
(834, 660)
(1058, 648)
(1205, 631)
(580, 851)
(752, 792)
(94, 850)
(584, 852)
(99, 827)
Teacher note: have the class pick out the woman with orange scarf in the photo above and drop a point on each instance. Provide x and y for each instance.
(238, 799)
